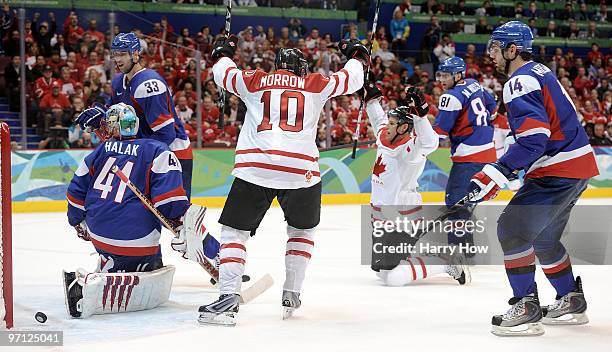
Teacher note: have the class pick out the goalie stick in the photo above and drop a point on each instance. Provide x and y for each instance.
(247, 295)
(367, 77)
(228, 24)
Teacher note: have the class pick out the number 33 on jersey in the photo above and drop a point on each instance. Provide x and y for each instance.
(276, 147)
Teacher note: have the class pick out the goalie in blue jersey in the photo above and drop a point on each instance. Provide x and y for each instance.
(130, 274)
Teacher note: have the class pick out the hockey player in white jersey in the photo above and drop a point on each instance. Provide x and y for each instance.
(404, 138)
(276, 156)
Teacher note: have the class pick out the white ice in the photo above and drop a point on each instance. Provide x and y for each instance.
(344, 308)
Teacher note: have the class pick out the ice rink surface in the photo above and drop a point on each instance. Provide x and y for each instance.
(344, 306)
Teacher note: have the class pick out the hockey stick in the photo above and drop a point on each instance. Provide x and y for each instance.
(367, 77)
(228, 23)
(246, 295)
(340, 146)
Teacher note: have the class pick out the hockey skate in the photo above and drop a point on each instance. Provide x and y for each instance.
(291, 302)
(459, 270)
(221, 312)
(522, 319)
(567, 310)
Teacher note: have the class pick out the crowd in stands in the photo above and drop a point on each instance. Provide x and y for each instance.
(69, 68)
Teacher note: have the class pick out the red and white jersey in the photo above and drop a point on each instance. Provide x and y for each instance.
(399, 164)
(276, 147)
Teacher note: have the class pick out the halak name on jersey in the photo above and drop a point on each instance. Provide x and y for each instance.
(117, 220)
(464, 114)
(549, 138)
(150, 96)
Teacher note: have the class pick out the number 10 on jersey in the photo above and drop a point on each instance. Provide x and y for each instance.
(285, 98)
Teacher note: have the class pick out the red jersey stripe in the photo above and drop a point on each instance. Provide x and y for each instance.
(129, 251)
(582, 167)
(75, 200)
(346, 81)
(175, 192)
(161, 119)
(485, 156)
(277, 152)
(287, 169)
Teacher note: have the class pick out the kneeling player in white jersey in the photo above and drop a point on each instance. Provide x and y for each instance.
(276, 156)
(130, 274)
(404, 138)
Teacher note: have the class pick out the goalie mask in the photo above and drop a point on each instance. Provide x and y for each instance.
(291, 60)
(121, 120)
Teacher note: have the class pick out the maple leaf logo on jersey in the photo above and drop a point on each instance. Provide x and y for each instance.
(308, 175)
(379, 167)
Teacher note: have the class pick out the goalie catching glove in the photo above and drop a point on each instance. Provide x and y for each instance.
(485, 185)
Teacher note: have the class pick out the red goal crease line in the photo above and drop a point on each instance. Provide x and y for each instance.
(327, 199)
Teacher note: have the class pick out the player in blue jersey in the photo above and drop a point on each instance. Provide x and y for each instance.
(465, 109)
(553, 149)
(125, 233)
(147, 92)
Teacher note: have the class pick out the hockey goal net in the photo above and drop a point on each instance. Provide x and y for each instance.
(6, 276)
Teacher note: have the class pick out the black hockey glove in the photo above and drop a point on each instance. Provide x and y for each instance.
(416, 100)
(353, 49)
(224, 47)
(372, 91)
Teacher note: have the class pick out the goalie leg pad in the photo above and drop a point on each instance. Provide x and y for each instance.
(105, 293)
(299, 250)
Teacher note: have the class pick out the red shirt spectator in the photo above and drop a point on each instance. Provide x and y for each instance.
(74, 32)
(43, 85)
(95, 34)
(55, 99)
(210, 112)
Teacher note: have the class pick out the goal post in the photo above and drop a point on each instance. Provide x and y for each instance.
(6, 269)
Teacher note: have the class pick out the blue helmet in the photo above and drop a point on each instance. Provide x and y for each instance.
(452, 65)
(126, 42)
(513, 32)
(123, 117)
